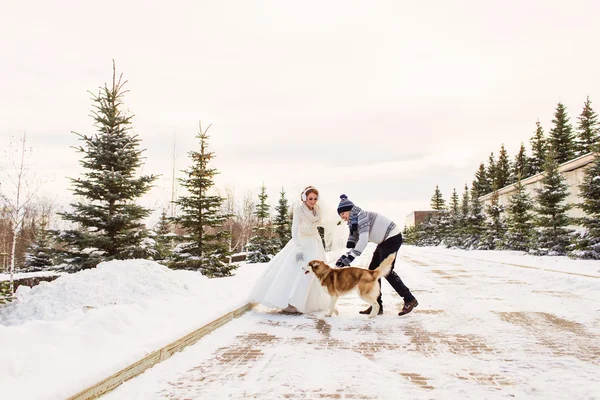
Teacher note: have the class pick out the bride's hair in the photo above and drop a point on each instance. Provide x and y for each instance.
(308, 190)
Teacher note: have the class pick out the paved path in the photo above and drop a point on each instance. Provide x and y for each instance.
(481, 331)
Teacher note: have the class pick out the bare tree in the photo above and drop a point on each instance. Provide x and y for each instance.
(246, 217)
(173, 178)
(228, 208)
(17, 189)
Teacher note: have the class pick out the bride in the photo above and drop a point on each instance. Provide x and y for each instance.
(284, 285)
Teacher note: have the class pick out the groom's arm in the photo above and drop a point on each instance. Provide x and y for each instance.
(361, 243)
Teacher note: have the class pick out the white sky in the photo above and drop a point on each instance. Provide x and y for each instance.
(378, 100)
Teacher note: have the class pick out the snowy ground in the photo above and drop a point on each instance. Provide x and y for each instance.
(71, 333)
(529, 328)
(482, 331)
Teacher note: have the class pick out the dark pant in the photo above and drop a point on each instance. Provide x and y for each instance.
(384, 249)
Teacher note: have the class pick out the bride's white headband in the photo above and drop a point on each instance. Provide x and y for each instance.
(303, 195)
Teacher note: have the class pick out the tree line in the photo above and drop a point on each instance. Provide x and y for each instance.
(105, 223)
(538, 224)
(565, 142)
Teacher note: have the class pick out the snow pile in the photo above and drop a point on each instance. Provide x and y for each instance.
(111, 283)
(73, 332)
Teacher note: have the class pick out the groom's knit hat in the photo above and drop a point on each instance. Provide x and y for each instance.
(345, 204)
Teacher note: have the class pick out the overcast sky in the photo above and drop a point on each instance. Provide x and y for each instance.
(380, 100)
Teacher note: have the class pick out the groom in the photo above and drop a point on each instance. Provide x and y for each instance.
(367, 226)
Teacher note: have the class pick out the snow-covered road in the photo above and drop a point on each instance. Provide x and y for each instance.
(483, 330)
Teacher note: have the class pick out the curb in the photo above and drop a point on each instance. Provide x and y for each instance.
(157, 356)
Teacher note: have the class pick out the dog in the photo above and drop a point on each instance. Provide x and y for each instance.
(340, 281)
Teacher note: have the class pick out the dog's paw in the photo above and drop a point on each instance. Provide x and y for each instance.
(328, 315)
(336, 312)
(372, 315)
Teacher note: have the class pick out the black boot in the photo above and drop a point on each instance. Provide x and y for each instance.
(368, 310)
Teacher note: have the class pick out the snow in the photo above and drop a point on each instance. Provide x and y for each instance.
(70, 333)
(23, 275)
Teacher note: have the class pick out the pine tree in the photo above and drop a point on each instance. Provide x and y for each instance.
(502, 169)
(520, 167)
(440, 220)
(454, 204)
(495, 231)
(437, 201)
(262, 246)
(551, 220)
(589, 244)
(465, 211)
(40, 254)
(109, 222)
(492, 172)
(476, 225)
(587, 130)
(205, 247)
(561, 139)
(520, 220)
(539, 147)
(427, 232)
(261, 211)
(453, 234)
(408, 235)
(482, 184)
(282, 220)
(164, 237)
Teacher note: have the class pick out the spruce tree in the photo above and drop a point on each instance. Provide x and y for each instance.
(482, 182)
(589, 244)
(587, 130)
(40, 254)
(205, 247)
(282, 221)
(439, 222)
(476, 225)
(261, 211)
(465, 211)
(437, 201)
(539, 147)
(109, 223)
(163, 237)
(454, 204)
(453, 234)
(408, 235)
(419, 234)
(520, 220)
(520, 167)
(427, 232)
(551, 220)
(262, 246)
(561, 138)
(495, 230)
(502, 169)
(492, 172)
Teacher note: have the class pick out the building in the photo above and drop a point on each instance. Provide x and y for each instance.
(417, 217)
(573, 171)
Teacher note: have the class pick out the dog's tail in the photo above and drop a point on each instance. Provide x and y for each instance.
(385, 267)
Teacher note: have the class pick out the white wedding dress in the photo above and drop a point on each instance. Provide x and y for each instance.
(284, 282)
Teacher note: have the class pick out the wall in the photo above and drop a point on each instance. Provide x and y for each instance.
(573, 171)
